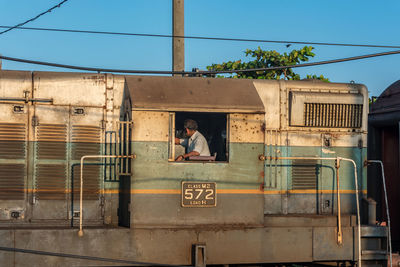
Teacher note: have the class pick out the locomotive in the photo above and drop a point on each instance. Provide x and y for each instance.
(88, 173)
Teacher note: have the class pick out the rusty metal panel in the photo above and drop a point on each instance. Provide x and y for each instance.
(246, 128)
(194, 94)
(51, 141)
(325, 247)
(87, 136)
(12, 181)
(79, 89)
(50, 182)
(13, 143)
(150, 126)
(12, 140)
(91, 188)
(332, 115)
(262, 245)
(269, 92)
(85, 140)
(316, 139)
(50, 172)
(326, 109)
(14, 83)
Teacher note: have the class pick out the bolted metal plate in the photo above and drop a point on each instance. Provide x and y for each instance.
(198, 194)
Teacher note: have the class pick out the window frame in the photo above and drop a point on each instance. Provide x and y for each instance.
(172, 131)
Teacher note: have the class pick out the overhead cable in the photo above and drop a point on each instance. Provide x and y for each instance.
(34, 18)
(57, 65)
(200, 37)
(74, 256)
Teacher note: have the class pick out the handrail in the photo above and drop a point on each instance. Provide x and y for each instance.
(387, 206)
(80, 232)
(339, 235)
(263, 157)
(72, 184)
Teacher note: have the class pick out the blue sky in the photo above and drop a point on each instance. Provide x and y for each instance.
(336, 21)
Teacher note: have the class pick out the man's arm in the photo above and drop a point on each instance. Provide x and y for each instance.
(187, 155)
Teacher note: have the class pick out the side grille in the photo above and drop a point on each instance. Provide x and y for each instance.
(12, 140)
(333, 115)
(304, 174)
(91, 182)
(52, 140)
(12, 181)
(50, 182)
(85, 141)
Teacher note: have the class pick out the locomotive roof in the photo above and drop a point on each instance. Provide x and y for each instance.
(193, 94)
(386, 110)
(389, 100)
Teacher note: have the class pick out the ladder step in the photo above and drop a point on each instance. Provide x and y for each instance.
(373, 252)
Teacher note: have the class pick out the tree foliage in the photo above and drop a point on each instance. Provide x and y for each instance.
(266, 59)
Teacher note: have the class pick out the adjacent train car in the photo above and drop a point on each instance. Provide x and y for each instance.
(268, 194)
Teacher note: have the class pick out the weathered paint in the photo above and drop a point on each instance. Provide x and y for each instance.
(61, 87)
(237, 229)
(47, 146)
(224, 246)
(246, 128)
(152, 170)
(150, 126)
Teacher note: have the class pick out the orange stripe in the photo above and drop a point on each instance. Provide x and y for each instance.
(219, 191)
(156, 191)
(311, 191)
(239, 191)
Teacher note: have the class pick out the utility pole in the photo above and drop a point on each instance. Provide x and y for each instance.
(178, 29)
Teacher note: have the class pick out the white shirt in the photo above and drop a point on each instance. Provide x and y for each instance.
(197, 142)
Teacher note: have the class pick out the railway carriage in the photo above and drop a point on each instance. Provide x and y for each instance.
(268, 194)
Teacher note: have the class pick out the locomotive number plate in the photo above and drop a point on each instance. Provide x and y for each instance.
(198, 194)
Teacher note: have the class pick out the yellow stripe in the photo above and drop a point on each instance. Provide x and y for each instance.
(156, 191)
(311, 191)
(236, 191)
(219, 191)
(239, 191)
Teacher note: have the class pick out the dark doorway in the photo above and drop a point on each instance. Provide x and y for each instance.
(390, 158)
(124, 214)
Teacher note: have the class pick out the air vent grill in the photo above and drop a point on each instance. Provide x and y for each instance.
(304, 174)
(333, 115)
(91, 185)
(12, 178)
(85, 141)
(50, 181)
(52, 140)
(12, 140)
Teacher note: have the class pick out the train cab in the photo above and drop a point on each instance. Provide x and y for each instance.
(89, 166)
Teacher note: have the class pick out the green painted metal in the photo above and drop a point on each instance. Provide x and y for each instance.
(152, 170)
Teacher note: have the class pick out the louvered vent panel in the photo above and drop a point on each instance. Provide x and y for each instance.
(333, 115)
(50, 181)
(12, 178)
(91, 182)
(51, 141)
(12, 140)
(304, 174)
(85, 141)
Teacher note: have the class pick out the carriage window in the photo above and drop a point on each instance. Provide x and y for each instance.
(198, 137)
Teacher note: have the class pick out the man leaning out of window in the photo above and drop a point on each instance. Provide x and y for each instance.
(195, 144)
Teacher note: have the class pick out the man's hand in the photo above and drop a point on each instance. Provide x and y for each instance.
(180, 158)
(177, 141)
